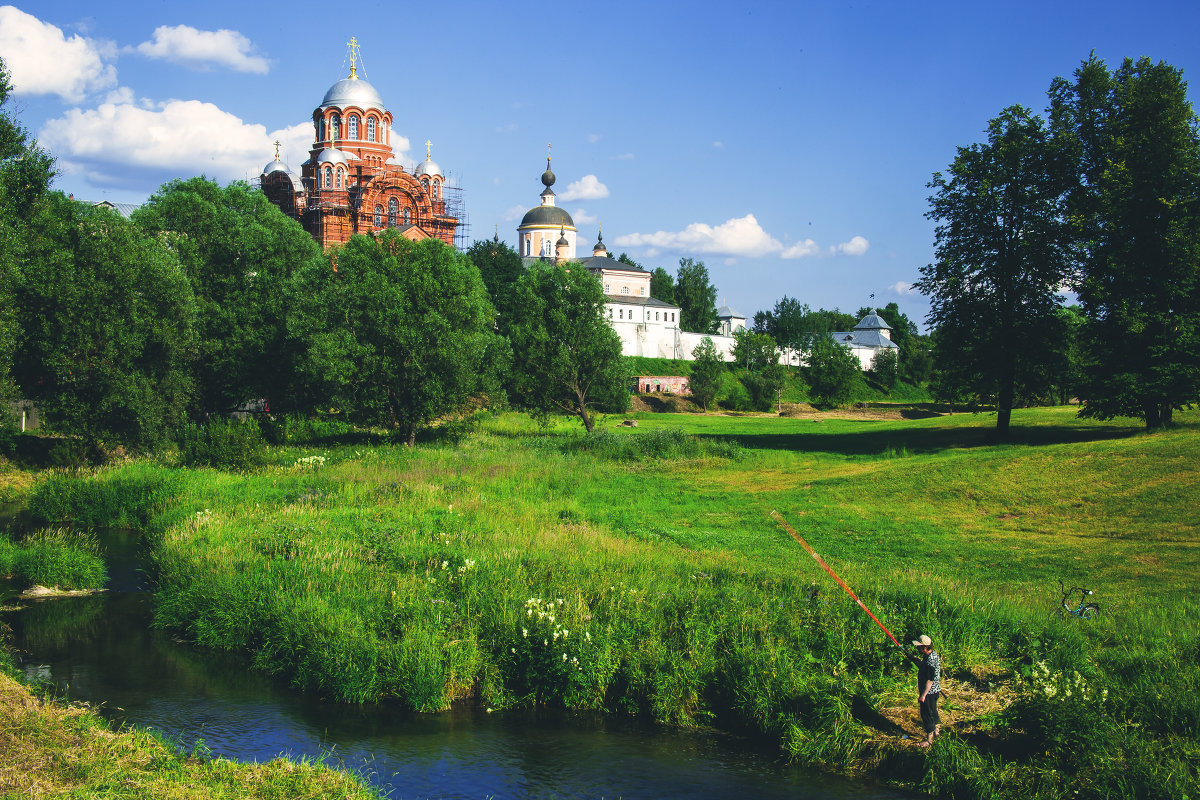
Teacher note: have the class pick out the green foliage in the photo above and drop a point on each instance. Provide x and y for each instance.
(566, 357)
(59, 558)
(130, 498)
(239, 252)
(696, 297)
(662, 285)
(790, 324)
(754, 351)
(657, 443)
(224, 444)
(500, 268)
(644, 365)
(737, 398)
(25, 173)
(765, 385)
(1002, 255)
(108, 317)
(294, 429)
(397, 335)
(707, 366)
(885, 367)
(833, 373)
(1132, 139)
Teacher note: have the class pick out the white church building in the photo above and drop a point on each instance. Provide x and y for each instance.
(647, 326)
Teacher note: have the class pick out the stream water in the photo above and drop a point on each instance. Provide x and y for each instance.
(102, 650)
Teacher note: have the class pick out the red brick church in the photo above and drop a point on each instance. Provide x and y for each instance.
(352, 182)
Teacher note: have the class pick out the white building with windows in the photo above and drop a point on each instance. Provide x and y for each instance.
(647, 326)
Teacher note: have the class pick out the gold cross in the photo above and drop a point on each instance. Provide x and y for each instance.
(548, 153)
(354, 48)
(276, 149)
(428, 155)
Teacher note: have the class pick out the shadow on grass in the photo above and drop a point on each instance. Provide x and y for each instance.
(914, 441)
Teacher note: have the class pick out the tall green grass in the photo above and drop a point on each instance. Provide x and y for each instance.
(54, 557)
(637, 572)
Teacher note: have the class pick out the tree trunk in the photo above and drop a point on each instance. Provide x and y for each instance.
(1150, 412)
(581, 401)
(1004, 404)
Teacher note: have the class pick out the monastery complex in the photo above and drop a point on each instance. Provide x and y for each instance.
(352, 183)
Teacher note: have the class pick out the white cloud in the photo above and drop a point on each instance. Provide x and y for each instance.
(718, 144)
(513, 213)
(902, 288)
(855, 247)
(802, 250)
(42, 60)
(742, 236)
(588, 187)
(509, 128)
(184, 44)
(594, 137)
(123, 142)
(622, 157)
(582, 217)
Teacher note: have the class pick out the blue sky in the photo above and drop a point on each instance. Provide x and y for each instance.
(787, 145)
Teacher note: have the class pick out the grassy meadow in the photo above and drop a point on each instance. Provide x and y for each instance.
(639, 572)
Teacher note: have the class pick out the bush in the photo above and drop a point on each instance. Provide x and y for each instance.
(294, 429)
(658, 443)
(126, 501)
(223, 444)
(57, 557)
(738, 399)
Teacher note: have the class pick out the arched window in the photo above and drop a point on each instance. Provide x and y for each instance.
(352, 126)
(393, 207)
(437, 190)
(624, 290)
(407, 216)
(383, 131)
(336, 126)
(337, 179)
(328, 182)
(370, 129)
(425, 185)
(321, 129)
(378, 216)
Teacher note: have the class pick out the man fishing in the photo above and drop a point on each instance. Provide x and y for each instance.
(929, 686)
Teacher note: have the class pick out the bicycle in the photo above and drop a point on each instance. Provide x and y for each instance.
(1084, 610)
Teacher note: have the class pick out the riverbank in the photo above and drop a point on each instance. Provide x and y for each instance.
(638, 573)
(52, 749)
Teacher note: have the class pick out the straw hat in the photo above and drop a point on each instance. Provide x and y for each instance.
(924, 641)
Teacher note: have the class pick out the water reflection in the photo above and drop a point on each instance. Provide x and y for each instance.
(102, 650)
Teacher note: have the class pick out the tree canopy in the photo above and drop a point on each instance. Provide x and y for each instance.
(397, 335)
(696, 297)
(109, 318)
(1002, 254)
(832, 372)
(238, 251)
(1133, 142)
(707, 366)
(500, 268)
(566, 357)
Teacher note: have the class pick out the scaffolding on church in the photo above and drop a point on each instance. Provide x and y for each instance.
(455, 207)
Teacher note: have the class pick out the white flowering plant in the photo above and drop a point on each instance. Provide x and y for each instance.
(546, 654)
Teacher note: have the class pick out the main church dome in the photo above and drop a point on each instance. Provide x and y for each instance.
(353, 91)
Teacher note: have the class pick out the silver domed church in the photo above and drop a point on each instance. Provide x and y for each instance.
(352, 182)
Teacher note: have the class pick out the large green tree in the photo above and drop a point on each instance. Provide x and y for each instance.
(696, 297)
(1133, 138)
(397, 335)
(790, 324)
(566, 356)
(833, 373)
(108, 317)
(662, 285)
(500, 267)
(1002, 255)
(707, 366)
(25, 173)
(239, 252)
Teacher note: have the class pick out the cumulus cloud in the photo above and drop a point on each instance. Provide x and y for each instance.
(582, 217)
(42, 60)
(594, 137)
(199, 49)
(855, 247)
(128, 143)
(742, 236)
(802, 250)
(902, 288)
(806, 248)
(588, 187)
(514, 213)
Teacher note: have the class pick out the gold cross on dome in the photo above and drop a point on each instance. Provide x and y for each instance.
(276, 149)
(354, 48)
(428, 154)
(548, 146)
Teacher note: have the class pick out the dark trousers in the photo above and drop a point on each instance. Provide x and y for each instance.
(929, 712)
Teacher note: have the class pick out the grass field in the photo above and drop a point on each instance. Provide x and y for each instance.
(639, 572)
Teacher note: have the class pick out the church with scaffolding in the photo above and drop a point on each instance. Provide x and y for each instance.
(352, 181)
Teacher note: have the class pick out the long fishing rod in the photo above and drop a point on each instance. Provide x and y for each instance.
(779, 518)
